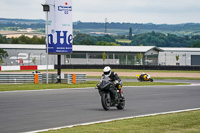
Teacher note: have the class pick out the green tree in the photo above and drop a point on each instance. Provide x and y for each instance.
(102, 43)
(197, 44)
(35, 40)
(177, 57)
(140, 57)
(3, 39)
(34, 60)
(24, 40)
(104, 55)
(113, 44)
(3, 54)
(14, 40)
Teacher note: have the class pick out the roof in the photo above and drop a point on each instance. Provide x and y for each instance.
(179, 49)
(130, 49)
(88, 48)
(21, 46)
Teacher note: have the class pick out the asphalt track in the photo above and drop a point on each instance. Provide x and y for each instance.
(36, 110)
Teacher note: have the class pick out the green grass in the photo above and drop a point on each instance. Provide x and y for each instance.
(185, 122)
(177, 78)
(14, 87)
(134, 77)
(116, 70)
(20, 87)
(123, 40)
(127, 70)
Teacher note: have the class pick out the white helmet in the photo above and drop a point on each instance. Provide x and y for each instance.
(107, 70)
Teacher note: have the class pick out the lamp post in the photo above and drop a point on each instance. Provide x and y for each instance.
(46, 8)
(185, 60)
(41, 59)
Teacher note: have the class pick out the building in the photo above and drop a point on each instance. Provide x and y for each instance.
(115, 55)
(179, 56)
(123, 55)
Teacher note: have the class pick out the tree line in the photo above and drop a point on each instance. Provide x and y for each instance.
(79, 39)
(22, 40)
(148, 26)
(165, 40)
(145, 39)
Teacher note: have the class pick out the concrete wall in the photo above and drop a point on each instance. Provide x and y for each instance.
(27, 57)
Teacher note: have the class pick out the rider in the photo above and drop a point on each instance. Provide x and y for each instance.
(113, 78)
(144, 76)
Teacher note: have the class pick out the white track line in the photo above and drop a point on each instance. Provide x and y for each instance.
(89, 123)
(194, 84)
(43, 90)
(88, 88)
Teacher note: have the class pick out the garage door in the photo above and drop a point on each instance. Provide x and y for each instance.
(195, 59)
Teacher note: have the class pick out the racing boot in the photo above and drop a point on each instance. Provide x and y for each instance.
(121, 95)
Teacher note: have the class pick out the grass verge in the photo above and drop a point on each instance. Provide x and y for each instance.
(116, 70)
(20, 87)
(127, 70)
(131, 77)
(184, 122)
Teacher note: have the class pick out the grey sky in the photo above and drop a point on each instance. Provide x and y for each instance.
(133, 11)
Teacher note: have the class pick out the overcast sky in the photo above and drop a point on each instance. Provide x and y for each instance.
(133, 11)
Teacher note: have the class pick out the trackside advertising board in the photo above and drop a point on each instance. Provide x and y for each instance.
(60, 26)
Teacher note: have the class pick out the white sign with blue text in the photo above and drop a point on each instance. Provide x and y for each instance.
(60, 26)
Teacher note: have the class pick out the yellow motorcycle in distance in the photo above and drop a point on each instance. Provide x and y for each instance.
(144, 77)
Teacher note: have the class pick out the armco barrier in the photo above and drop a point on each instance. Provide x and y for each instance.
(65, 78)
(74, 78)
(41, 78)
(19, 78)
(139, 67)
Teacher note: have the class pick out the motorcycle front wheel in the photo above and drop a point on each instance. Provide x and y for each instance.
(121, 104)
(106, 101)
(151, 80)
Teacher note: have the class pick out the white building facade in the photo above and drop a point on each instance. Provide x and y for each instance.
(179, 56)
(94, 55)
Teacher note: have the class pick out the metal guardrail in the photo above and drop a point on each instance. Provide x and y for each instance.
(19, 78)
(52, 78)
(79, 78)
(30, 78)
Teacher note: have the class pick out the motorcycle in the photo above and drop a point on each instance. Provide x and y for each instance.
(107, 99)
(144, 77)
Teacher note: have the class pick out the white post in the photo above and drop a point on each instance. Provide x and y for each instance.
(47, 47)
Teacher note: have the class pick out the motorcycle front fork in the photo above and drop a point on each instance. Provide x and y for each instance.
(120, 93)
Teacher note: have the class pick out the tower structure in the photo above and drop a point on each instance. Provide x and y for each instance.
(106, 26)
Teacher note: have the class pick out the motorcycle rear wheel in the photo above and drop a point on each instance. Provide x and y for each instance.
(106, 101)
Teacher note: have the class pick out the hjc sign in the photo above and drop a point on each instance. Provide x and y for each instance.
(67, 39)
(63, 44)
(60, 31)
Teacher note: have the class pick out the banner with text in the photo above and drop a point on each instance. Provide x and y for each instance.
(60, 26)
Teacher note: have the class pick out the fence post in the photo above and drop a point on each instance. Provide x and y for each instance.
(36, 79)
(74, 78)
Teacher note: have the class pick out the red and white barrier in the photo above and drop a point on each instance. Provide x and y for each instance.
(34, 67)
